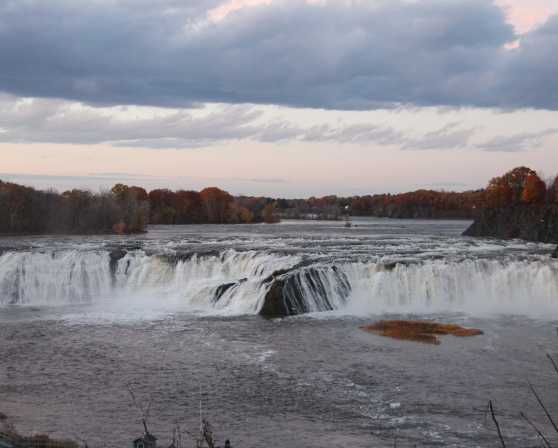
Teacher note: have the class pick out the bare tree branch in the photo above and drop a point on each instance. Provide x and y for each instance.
(553, 362)
(500, 436)
(541, 435)
(543, 407)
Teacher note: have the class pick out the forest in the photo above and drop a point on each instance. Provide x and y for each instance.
(129, 209)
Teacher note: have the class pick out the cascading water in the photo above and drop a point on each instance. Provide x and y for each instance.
(476, 287)
(234, 282)
(315, 289)
(37, 278)
(66, 277)
(198, 280)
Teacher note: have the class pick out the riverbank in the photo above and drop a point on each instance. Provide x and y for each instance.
(528, 222)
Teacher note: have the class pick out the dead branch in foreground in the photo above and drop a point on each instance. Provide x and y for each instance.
(500, 436)
(537, 430)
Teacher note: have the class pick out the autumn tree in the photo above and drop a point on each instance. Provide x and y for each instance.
(189, 207)
(246, 216)
(162, 206)
(534, 190)
(498, 193)
(134, 207)
(268, 213)
(217, 203)
(552, 193)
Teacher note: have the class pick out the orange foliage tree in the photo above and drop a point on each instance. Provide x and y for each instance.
(553, 191)
(217, 203)
(534, 190)
(508, 189)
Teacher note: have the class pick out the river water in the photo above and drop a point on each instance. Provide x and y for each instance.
(79, 329)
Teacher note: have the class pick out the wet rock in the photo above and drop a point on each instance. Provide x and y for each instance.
(115, 256)
(299, 291)
(276, 274)
(5, 250)
(274, 302)
(222, 289)
(426, 332)
(187, 255)
(390, 266)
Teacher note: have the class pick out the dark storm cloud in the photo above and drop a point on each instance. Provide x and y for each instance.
(341, 55)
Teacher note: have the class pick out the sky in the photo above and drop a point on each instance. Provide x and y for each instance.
(283, 98)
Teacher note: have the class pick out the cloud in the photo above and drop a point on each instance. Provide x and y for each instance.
(448, 137)
(56, 121)
(517, 142)
(72, 180)
(25, 120)
(328, 54)
(449, 185)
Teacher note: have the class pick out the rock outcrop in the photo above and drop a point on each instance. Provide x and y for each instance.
(303, 290)
(275, 304)
(555, 253)
(115, 256)
(222, 289)
(423, 331)
(528, 222)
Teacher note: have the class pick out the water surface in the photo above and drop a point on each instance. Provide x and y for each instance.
(76, 333)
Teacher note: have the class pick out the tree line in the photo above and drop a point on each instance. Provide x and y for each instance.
(27, 210)
(519, 186)
(123, 209)
(129, 209)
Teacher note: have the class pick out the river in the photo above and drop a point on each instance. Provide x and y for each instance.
(83, 320)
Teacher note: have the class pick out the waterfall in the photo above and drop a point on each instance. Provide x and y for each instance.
(38, 278)
(233, 282)
(476, 287)
(68, 277)
(312, 289)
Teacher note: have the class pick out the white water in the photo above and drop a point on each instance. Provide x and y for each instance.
(34, 278)
(194, 282)
(474, 286)
(68, 277)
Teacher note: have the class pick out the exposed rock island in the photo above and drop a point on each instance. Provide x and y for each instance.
(527, 222)
(518, 204)
(423, 331)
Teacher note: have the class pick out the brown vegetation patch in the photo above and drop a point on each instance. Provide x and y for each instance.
(423, 331)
